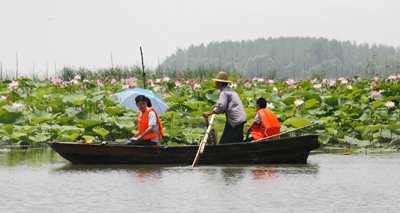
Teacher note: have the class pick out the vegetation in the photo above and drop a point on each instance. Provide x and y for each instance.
(288, 57)
(357, 111)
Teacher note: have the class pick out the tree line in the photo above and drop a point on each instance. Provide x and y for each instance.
(287, 57)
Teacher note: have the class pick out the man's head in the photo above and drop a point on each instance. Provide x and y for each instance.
(141, 102)
(221, 80)
(261, 103)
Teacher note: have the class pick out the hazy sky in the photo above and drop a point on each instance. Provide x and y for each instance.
(85, 33)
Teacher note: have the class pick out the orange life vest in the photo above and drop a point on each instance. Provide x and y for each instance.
(144, 124)
(269, 125)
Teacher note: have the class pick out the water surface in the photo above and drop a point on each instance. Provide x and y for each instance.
(42, 181)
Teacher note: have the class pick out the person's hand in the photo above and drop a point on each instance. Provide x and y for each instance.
(206, 114)
(245, 139)
(215, 105)
(133, 139)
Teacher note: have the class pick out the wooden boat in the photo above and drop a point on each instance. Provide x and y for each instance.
(284, 150)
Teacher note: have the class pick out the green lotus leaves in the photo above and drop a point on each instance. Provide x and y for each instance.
(39, 116)
(360, 143)
(297, 123)
(310, 103)
(101, 131)
(39, 137)
(75, 99)
(324, 137)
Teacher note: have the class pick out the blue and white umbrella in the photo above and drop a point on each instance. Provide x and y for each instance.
(127, 98)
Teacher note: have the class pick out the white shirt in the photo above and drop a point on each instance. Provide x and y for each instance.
(153, 121)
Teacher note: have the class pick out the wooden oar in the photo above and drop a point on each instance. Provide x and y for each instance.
(262, 139)
(203, 142)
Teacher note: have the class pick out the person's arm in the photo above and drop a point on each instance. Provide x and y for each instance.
(249, 130)
(138, 137)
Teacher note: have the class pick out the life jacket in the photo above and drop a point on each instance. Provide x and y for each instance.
(269, 125)
(144, 124)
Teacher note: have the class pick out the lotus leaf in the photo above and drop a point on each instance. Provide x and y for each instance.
(297, 123)
(360, 143)
(324, 137)
(101, 131)
(39, 116)
(67, 137)
(310, 103)
(289, 100)
(75, 99)
(39, 137)
(88, 137)
(213, 96)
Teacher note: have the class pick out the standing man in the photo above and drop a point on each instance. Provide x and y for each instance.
(230, 104)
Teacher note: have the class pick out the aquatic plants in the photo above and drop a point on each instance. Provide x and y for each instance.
(357, 111)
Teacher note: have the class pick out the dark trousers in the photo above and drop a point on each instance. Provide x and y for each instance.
(141, 142)
(232, 135)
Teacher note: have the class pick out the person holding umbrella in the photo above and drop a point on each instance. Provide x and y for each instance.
(230, 104)
(150, 127)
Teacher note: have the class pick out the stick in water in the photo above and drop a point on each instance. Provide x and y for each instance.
(203, 142)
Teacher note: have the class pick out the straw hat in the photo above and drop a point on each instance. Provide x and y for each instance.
(222, 77)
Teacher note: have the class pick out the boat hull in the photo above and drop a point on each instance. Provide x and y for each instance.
(285, 150)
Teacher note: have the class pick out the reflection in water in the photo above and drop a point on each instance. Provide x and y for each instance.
(263, 173)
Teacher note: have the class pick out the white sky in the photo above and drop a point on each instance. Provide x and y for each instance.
(86, 32)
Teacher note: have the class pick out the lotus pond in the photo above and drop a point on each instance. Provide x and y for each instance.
(357, 112)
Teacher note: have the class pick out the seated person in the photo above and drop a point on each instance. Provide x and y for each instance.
(264, 124)
(150, 127)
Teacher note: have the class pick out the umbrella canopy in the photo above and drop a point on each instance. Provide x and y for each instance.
(127, 98)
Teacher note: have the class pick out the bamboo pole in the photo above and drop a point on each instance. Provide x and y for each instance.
(144, 74)
(262, 139)
(203, 142)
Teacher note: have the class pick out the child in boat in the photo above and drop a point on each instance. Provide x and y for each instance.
(264, 124)
(150, 127)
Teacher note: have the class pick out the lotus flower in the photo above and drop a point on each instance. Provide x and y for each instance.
(17, 105)
(290, 81)
(281, 92)
(166, 79)
(21, 75)
(157, 89)
(349, 87)
(13, 85)
(292, 86)
(317, 86)
(101, 106)
(233, 86)
(178, 83)
(298, 102)
(125, 86)
(247, 85)
(196, 86)
(112, 95)
(79, 110)
(389, 104)
(49, 109)
(270, 106)
(206, 81)
(165, 96)
(77, 77)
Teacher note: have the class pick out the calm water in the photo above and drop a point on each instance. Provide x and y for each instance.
(42, 181)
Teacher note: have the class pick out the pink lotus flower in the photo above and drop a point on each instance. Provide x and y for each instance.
(113, 81)
(158, 80)
(298, 102)
(331, 83)
(196, 86)
(122, 80)
(101, 106)
(238, 80)
(290, 81)
(165, 96)
(349, 87)
(376, 94)
(389, 104)
(292, 86)
(267, 83)
(157, 89)
(314, 80)
(359, 79)
(260, 80)
(247, 85)
(178, 83)
(191, 82)
(233, 86)
(79, 110)
(177, 77)
(57, 81)
(77, 77)
(373, 84)
(21, 75)
(17, 105)
(166, 79)
(84, 88)
(125, 86)
(13, 85)
(206, 81)
(49, 109)
(150, 82)
(8, 97)
(112, 95)
(281, 92)
(255, 79)
(317, 86)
